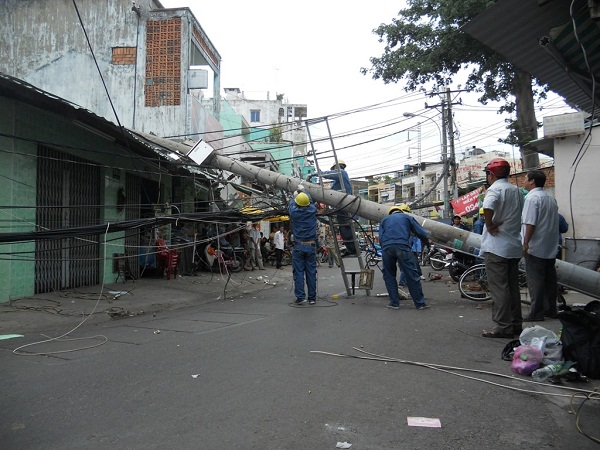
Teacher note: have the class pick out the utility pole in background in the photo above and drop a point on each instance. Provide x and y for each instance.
(448, 132)
(445, 167)
(452, 153)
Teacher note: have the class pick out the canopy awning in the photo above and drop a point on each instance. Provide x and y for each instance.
(540, 39)
(258, 211)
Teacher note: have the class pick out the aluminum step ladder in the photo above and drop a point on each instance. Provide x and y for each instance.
(341, 224)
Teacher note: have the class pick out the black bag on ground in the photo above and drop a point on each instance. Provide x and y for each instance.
(581, 338)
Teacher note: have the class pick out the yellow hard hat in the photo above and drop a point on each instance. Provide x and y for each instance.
(403, 207)
(481, 211)
(340, 163)
(302, 199)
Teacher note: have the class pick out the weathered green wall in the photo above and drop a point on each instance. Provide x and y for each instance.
(18, 181)
(18, 173)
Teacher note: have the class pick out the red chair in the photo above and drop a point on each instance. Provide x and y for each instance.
(162, 257)
(172, 264)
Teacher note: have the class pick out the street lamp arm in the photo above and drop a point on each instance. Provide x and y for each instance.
(411, 115)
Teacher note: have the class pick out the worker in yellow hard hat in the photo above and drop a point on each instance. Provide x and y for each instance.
(303, 213)
(395, 232)
(479, 223)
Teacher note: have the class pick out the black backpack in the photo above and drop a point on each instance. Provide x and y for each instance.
(581, 338)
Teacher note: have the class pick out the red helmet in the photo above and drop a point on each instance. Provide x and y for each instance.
(498, 166)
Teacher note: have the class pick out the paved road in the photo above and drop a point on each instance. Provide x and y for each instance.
(240, 372)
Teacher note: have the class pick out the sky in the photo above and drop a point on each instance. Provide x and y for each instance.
(312, 52)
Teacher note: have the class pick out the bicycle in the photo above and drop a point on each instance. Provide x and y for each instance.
(473, 285)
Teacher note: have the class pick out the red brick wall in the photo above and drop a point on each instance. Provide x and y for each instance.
(123, 55)
(519, 178)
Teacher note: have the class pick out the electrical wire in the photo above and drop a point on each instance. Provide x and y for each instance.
(453, 370)
(104, 339)
(577, 413)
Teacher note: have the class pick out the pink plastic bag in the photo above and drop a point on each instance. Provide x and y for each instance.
(526, 359)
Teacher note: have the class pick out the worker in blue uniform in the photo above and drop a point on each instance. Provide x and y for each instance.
(303, 214)
(345, 221)
(394, 235)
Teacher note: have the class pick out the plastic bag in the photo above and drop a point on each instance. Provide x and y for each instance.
(552, 349)
(526, 359)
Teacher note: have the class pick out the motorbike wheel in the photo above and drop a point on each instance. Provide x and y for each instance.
(371, 260)
(437, 261)
(455, 272)
(286, 259)
(237, 265)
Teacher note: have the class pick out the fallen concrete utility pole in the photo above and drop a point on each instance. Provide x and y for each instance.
(569, 275)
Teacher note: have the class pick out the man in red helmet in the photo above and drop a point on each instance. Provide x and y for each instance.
(502, 249)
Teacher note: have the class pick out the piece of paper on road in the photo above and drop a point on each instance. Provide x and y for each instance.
(424, 422)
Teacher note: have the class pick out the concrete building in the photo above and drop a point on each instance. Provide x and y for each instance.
(265, 125)
(414, 183)
(136, 66)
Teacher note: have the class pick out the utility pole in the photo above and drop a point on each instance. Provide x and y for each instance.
(452, 154)
(576, 277)
(446, 105)
(445, 167)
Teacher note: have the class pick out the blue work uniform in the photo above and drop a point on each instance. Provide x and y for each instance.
(346, 229)
(394, 235)
(336, 186)
(304, 253)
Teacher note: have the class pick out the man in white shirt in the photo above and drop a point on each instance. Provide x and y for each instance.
(279, 242)
(254, 247)
(540, 226)
(502, 249)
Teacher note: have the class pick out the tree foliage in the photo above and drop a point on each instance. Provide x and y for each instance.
(425, 47)
(276, 133)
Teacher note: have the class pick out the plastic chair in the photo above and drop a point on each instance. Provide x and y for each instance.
(162, 257)
(172, 264)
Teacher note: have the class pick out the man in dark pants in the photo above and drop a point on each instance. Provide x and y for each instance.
(279, 243)
(303, 213)
(539, 230)
(502, 249)
(394, 236)
(346, 228)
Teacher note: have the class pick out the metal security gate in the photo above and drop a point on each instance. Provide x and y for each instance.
(68, 195)
(132, 212)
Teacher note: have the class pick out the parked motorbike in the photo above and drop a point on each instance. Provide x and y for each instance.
(373, 255)
(436, 256)
(323, 254)
(458, 263)
(215, 258)
(286, 258)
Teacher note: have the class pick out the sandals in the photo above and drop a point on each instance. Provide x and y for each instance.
(497, 334)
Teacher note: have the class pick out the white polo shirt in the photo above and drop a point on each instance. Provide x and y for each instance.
(541, 210)
(506, 201)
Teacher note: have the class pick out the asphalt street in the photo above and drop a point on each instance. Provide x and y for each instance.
(213, 363)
